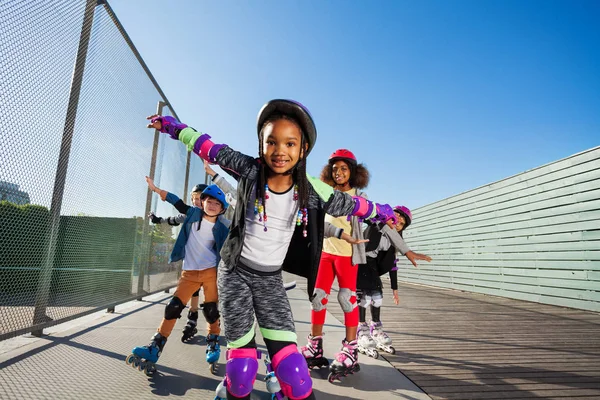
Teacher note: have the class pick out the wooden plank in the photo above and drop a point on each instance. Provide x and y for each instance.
(518, 182)
(523, 247)
(559, 192)
(588, 181)
(503, 238)
(510, 226)
(584, 265)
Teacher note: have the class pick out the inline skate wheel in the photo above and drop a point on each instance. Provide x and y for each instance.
(332, 377)
(214, 368)
(130, 359)
(392, 350)
(149, 370)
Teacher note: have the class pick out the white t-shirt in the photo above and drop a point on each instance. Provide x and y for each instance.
(269, 248)
(199, 249)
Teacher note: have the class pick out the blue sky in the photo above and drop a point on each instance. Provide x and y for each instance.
(436, 98)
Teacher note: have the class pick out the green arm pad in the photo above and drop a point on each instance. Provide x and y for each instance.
(188, 136)
(323, 190)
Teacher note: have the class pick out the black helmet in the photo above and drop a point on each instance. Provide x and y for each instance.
(199, 188)
(294, 110)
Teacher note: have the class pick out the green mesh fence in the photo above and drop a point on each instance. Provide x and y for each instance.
(74, 150)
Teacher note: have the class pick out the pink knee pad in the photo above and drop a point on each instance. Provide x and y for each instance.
(292, 372)
(241, 368)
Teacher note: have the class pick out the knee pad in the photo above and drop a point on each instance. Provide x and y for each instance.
(292, 372)
(196, 293)
(347, 299)
(211, 312)
(242, 365)
(365, 300)
(174, 308)
(377, 300)
(319, 301)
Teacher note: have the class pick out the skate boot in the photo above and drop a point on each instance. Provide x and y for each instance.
(273, 386)
(213, 352)
(190, 329)
(144, 358)
(221, 391)
(313, 352)
(366, 344)
(346, 361)
(382, 340)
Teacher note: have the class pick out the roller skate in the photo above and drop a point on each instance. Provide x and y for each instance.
(190, 329)
(382, 340)
(221, 391)
(366, 344)
(144, 358)
(313, 352)
(272, 382)
(213, 352)
(345, 363)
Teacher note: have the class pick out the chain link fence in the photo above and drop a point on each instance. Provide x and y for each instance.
(74, 150)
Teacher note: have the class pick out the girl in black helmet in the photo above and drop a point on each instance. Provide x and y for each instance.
(278, 224)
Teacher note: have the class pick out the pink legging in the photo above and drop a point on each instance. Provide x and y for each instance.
(341, 267)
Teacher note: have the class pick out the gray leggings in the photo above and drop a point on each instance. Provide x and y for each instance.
(242, 295)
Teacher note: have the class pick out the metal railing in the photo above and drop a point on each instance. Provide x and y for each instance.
(74, 150)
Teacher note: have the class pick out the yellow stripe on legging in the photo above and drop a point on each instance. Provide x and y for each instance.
(280, 336)
(241, 342)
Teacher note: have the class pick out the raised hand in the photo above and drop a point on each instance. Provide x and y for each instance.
(155, 219)
(166, 124)
(208, 169)
(151, 185)
(413, 257)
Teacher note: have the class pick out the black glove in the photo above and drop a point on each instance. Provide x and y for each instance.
(155, 219)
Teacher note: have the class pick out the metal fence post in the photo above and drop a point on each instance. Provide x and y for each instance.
(146, 230)
(45, 278)
(187, 174)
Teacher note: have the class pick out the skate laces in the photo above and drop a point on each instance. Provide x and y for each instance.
(212, 342)
(349, 351)
(315, 344)
(363, 330)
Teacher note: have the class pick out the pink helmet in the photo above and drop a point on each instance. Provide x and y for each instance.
(344, 155)
(405, 212)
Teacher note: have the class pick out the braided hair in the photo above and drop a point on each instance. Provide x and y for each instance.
(298, 171)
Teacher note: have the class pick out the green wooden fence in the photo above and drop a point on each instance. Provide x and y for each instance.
(534, 236)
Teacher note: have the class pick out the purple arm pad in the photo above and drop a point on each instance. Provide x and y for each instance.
(170, 126)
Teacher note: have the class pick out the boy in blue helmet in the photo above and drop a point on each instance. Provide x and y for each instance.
(190, 328)
(199, 243)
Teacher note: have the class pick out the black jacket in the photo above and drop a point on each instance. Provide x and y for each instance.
(304, 253)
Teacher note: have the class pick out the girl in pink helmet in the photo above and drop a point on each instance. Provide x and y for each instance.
(339, 259)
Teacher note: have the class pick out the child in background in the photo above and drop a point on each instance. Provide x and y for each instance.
(381, 259)
(190, 328)
(199, 243)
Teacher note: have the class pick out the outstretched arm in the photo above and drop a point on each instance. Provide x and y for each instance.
(202, 145)
(170, 197)
(338, 204)
(173, 221)
(222, 183)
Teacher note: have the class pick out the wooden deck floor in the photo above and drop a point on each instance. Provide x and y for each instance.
(459, 345)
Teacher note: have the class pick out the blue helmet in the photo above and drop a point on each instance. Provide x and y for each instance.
(216, 193)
